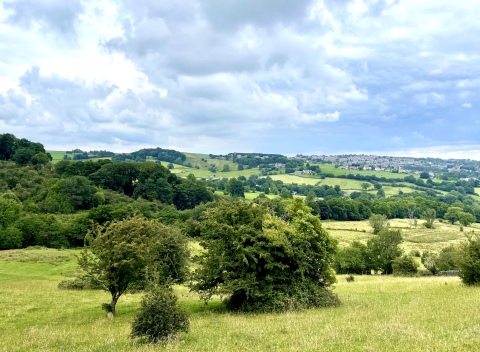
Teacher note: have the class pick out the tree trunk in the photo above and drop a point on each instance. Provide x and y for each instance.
(113, 303)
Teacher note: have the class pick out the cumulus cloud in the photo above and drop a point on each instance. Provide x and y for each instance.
(215, 75)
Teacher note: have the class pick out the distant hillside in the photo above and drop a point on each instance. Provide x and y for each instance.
(153, 154)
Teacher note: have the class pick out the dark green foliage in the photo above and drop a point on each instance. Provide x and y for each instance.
(405, 266)
(10, 238)
(7, 146)
(169, 249)
(235, 188)
(10, 210)
(22, 150)
(265, 263)
(42, 230)
(68, 195)
(351, 259)
(469, 261)
(448, 258)
(157, 153)
(159, 317)
(189, 193)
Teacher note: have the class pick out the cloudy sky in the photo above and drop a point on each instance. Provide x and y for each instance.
(390, 77)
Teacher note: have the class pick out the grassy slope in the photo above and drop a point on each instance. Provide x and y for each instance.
(377, 314)
(443, 235)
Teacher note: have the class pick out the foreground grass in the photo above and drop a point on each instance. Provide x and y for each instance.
(377, 314)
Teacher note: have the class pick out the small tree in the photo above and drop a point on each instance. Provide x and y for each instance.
(465, 218)
(429, 261)
(226, 168)
(429, 216)
(116, 256)
(159, 317)
(383, 249)
(469, 261)
(411, 216)
(378, 222)
(235, 188)
(365, 186)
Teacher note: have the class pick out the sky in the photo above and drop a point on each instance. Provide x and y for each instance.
(386, 77)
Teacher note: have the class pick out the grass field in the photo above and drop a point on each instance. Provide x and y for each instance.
(377, 313)
(443, 235)
(56, 155)
(296, 179)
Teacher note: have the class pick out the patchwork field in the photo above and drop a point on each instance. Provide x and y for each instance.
(377, 313)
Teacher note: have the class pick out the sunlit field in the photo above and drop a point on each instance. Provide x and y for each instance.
(377, 313)
(443, 235)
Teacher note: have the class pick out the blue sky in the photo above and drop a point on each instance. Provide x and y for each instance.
(387, 77)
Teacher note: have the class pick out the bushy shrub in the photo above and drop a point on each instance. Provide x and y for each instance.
(405, 266)
(80, 283)
(429, 261)
(448, 258)
(469, 261)
(265, 263)
(159, 317)
(10, 238)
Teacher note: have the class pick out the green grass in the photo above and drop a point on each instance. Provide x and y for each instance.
(296, 179)
(251, 195)
(377, 313)
(330, 168)
(443, 235)
(57, 155)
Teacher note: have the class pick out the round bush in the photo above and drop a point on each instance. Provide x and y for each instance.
(159, 317)
(405, 266)
(469, 261)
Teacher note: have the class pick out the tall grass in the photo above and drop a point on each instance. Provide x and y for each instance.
(377, 314)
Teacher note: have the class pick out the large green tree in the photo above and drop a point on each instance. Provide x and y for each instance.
(262, 262)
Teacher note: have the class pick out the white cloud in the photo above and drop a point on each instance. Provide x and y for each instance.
(320, 117)
(215, 75)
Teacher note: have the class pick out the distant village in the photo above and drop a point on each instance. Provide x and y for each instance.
(405, 165)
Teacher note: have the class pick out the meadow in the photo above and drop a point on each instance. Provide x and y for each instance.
(377, 313)
(419, 238)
